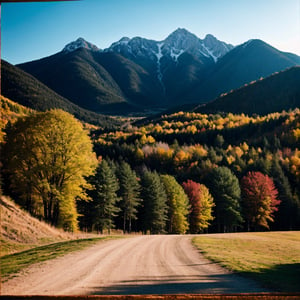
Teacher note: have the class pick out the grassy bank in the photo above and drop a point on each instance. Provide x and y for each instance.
(13, 263)
(272, 258)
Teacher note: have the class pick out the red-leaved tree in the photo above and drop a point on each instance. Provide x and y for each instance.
(259, 200)
(201, 203)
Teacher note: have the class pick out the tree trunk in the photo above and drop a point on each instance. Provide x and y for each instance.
(124, 223)
(129, 225)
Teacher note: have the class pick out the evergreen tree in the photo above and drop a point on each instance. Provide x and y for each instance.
(154, 209)
(262, 165)
(219, 141)
(113, 165)
(225, 189)
(129, 193)
(47, 157)
(201, 204)
(289, 209)
(104, 197)
(277, 143)
(265, 143)
(212, 155)
(178, 205)
(86, 214)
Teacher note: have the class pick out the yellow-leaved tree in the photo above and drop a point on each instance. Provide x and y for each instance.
(178, 204)
(46, 158)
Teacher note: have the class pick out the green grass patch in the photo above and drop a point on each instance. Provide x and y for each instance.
(272, 258)
(8, 247)
(13, 263)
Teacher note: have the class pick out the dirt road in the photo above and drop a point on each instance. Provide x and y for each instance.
(163, 264)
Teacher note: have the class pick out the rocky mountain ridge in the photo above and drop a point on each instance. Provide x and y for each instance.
(174, 45)
(137, 75)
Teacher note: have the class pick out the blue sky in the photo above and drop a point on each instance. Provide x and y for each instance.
(34, 30)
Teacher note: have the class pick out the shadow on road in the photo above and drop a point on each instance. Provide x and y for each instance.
(281, 278)
(215, 284)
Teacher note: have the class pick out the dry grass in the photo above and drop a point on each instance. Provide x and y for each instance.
(20, 231)
(273, 258)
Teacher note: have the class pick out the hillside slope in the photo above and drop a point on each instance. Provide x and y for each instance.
(77, 76)
(100, 82)
(20, 231)
(280, 91)
(10, 111)
(26, 90)
(245, 63)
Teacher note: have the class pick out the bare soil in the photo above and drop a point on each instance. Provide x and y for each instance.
(162, 264)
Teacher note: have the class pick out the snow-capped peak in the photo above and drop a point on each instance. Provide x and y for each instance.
(123, 41)
(181, 34)
(181, 39)
(216, 48)
(177, 43)
(135, 47)
(80, 43)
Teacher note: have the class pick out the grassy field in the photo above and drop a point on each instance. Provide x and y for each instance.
(272, 258)
(13, 263)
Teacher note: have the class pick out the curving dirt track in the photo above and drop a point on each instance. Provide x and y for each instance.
(162, 264)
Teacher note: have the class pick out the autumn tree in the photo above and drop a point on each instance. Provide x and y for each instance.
(259, 199)
(178, 205)
(47, 158)
(104, 197)
(201, 205)
(225, 189)
(154, 209)
(129, 194)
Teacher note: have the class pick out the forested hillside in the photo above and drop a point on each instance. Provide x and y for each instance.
(25, 89)
(10, 112)
(280, 91)
(226, 149)
(183, 172)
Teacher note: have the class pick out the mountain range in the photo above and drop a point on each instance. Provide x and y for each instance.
(142, 75)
